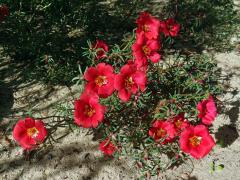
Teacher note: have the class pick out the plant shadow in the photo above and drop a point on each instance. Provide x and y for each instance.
(226, 135)
(54, 36)
(6, 100)
(75, 157)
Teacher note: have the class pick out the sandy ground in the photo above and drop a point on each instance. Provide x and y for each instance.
(76, 156)
(226, 127)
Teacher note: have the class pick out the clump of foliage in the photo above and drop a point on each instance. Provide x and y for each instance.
(49, 35)
(151, 98)
(144, 106)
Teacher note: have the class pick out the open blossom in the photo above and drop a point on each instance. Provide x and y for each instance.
(207, 110)
(144, 49)
(107, 147)
(162, 130)
(4, 12)
(100, 79)
(87, 110)
(170, 27)
(129, 80)
(142, 68)
(149, 25)
(29, 133)
(101, 47)
(180, 123)
(196, 141)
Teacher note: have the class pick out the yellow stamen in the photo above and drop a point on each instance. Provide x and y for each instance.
(146, 50)
(32, 132)
(178, 123)
(145, 28)
(129, 82)
(195, 141)
(101, 80)
(89, 111)
(161, 132)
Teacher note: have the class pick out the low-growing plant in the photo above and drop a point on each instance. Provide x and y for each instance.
(146, 104)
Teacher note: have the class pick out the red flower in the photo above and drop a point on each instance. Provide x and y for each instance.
(162, 130)
(207, 110)
(149, 25)
(101, 48)
(4, 12)
(88, 112)
(170, 27)
(196, 141)
(180, 123)
(142, 68)
(107, 147)
(128, 81)
(100, 79)
(29, 133)
(144, 49)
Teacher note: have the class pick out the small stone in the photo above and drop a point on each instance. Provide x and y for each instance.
(184, 176)
(50, 156)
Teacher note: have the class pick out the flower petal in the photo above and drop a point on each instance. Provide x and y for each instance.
(155, 57)
(124, 95)
(42, 131)
(91, 74)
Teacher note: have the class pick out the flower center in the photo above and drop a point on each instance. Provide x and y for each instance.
(145, 28)
(178, 123)
(146, 50)
(195, 140)
(161, 132)
(205, 111)
(101, 80)
(32, 132)
(129, 82)
(89, 111)
(169, 27)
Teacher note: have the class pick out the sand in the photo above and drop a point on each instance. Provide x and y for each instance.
(76, 156)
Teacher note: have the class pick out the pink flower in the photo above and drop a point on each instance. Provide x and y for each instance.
(128, 81)
(149, 25)
(142, 68)
(170, 27)
(180, 123)
(107, 147)
(87, 110)
(29, 133)
(162, 130)
(207, 110)
(100, 79)
(102, 48)
(144, 49)
(196, 141)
